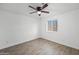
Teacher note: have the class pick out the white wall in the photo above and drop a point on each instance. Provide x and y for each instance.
(68, 29)
(15, 29)
(40, 27)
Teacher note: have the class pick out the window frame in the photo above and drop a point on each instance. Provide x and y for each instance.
(53, 20)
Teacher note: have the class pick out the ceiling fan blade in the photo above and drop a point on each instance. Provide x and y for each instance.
(45, 11)
(44, 6)
(32, 7)
(33, 12)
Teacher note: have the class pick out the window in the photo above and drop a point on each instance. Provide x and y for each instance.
(52, 25)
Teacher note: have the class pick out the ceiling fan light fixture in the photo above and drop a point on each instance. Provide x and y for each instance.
(39, 12)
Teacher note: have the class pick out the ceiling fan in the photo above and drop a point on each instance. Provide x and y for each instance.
(39, 9)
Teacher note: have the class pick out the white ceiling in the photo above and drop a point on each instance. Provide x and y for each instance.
(53, 8)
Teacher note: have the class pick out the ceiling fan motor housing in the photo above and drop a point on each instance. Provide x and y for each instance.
(39, 8)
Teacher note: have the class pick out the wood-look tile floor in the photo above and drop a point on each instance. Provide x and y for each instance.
(39, 47)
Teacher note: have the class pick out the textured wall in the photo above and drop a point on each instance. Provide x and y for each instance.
(68, 29)
(16, 28)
